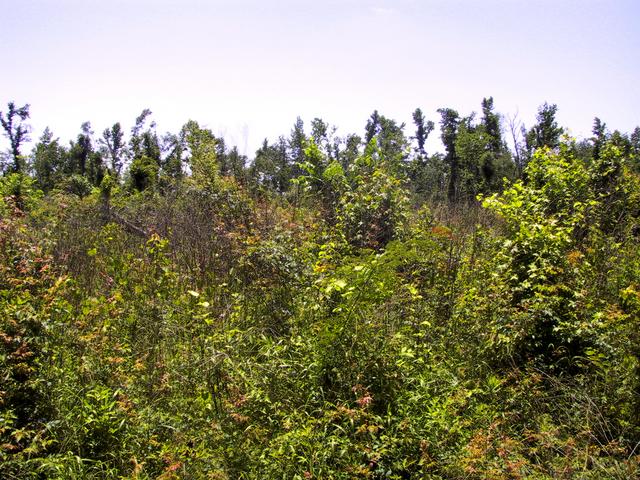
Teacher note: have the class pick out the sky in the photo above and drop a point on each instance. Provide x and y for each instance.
(247, 68)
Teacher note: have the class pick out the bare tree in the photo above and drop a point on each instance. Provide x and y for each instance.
(516, 127)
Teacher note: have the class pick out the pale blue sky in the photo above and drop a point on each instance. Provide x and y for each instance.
(247, 68)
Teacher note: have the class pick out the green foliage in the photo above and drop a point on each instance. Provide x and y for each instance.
(423, 129)
(49, 159)
(203, 324)
(30, 296)
(372, 211)
(563, 266)
(113, 145)
(143, 173)
(202, 149)
(544, 220)
(546, 132)
(17, 132)
(19, 191)
(272, 167)
(323, 179)
(77, 185)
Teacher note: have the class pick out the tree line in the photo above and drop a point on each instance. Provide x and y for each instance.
(476, 157)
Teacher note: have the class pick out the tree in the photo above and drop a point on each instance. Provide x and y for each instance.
(322, 136)
(472, 155)
(568, 214)
(297, 142)
(634, 139)
(491, 125)
(319, 131)
(423, 129)
(84, 160)
(350, 152)
(449, 122)
(271, 167)
(390, 139)
(236, 164)
(136, 133)
(113, 143)
(497, 161)
(421, 173)
(546, 132)
(373, 206)
(599, 136)
(145, 142)
(323, 178)
(515, 129)
(373, 127)
(15, 130)
(393, 143)
(202, 150)
(173, 148)
(145, 152)
(81, 149)
(49, 158)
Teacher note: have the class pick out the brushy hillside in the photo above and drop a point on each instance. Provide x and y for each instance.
(361, 315)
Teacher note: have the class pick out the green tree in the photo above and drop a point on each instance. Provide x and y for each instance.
(85, 160)
(322, 178)
(202, 153)
(491, 127)
(114, 147)
(546, 132)
(48, 161)
(323, 137)
(373, 208)
(145, 152)
(296, 151)
(16, 131)
(174, 149)
(423, 129)
(449, 123)
(350, 152)
(634, 140)
(474, 160)
(420, 167)
(271, 167)
(483, 156)
(236, 164)
(393, 143)
(230, 161)
(143, 173)
(137, 140)
(81, 149)
(390, 140)
(372, 127)
(599, 136)
(568, 216)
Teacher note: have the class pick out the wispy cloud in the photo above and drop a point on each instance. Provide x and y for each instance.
(383, 11)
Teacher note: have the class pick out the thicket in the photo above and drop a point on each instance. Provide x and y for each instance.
(336, 308)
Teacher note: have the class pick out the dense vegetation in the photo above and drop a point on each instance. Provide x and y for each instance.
(336, 308)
